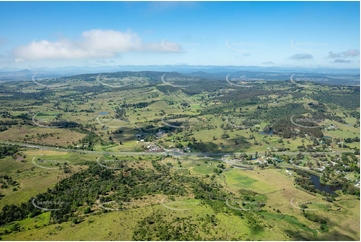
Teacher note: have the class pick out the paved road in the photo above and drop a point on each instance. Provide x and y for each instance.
(44, 147)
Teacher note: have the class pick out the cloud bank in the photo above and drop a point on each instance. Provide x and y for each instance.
(345, 54)
(95, 43)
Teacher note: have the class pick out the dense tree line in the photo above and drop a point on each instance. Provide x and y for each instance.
(316, 218)
(8, 150)
(83, 189)
(303, 179)
(286, 129)
(137, 105)
(155, 227)
(349, 98)
(25, 95)
(72, 193)
(350, 140)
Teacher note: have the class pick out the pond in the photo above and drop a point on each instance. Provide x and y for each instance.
(103, 113)
(269, 132)
(324, 188)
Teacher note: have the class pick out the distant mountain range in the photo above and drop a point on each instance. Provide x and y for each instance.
(326, 75)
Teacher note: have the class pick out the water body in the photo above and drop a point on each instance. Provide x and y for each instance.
(269, 132)
(324, 188)
(103, 113)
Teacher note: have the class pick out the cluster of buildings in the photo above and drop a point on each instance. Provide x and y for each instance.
(154, 148)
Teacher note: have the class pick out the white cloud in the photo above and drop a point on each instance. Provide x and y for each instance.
(95, 43)
(341, 61)
(301, 57)
(351, 52)
(345, 54)
(333, 55)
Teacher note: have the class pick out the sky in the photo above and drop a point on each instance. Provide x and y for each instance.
(280, 34)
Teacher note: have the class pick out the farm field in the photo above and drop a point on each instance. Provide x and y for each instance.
(140, 156)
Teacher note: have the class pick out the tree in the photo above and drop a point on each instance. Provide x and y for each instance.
(87, 210)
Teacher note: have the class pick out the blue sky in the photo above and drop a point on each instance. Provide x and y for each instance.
(297, 34)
